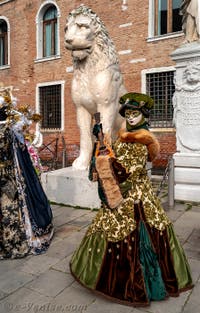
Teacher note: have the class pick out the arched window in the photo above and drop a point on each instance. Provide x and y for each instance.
(3, 43)
(50, 32)
(47, 31)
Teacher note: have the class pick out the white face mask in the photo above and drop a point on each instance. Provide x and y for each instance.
(133, 117)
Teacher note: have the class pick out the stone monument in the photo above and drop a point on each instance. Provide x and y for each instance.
(97, 82)
(186, 102)
(97, 85)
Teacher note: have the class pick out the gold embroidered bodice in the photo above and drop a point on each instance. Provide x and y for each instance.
(118, 223)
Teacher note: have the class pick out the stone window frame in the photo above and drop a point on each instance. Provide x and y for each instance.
(7, 65)
(39, 32)
(46, 84)
(144, 90)
(151, 25)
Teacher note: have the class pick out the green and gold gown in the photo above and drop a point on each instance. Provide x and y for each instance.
(130, 254)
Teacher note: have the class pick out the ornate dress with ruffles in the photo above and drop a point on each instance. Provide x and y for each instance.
(130, 254)
(25, 213)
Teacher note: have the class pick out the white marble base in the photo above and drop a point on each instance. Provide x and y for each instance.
(187, 176)
(71, 187)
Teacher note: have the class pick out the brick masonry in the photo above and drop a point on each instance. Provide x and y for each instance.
(24, 73)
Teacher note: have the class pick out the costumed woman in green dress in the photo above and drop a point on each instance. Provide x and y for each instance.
(130, 253)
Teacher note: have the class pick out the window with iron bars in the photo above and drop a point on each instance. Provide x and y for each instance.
(160, 86)
(50, 106)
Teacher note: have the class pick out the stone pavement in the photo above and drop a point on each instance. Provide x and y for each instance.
(44, 284)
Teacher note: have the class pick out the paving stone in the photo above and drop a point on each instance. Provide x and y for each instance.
(2, 295)
(180, 206)
(14, 279)
(103, 305)
(195, 269)
(38, 264)
(52, 288)
(195, 237)
(183, 233)
(81, 222)
(75, 238)
(63, 265)
(90, 214)
(171, 305)
(68, 215)
(75, 296)
(8, 264)
(174, 214)
(60, 209)
(64, 247)
(82, 232)
(193, 304)
(51, 283)
(55, 239)
(196, 208)
(25, 300)
(191, 252)
(140, 310)
(65, 230)
(185, 224)
(189, 219)
(192, 246)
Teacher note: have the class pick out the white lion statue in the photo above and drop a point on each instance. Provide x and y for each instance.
(97, 82)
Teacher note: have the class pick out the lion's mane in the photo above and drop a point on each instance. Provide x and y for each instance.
(102, 38)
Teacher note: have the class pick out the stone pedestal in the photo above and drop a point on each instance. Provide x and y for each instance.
(186, 102)
(187, 176)
(71, 187)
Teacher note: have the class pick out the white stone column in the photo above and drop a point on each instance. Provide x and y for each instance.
(186, 102)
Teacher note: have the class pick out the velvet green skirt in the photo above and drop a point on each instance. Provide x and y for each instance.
(145, 265)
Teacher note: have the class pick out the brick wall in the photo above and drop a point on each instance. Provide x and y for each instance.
(24, 73)
(167, 142)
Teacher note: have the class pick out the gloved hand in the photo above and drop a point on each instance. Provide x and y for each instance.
(97, 129)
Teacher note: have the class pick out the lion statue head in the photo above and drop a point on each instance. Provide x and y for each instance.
(86, 36)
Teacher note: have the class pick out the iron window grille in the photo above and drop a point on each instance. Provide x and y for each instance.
(50, 106)
(160, 86)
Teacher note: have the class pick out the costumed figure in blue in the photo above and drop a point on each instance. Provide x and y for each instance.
(130, 253)
(25, 213)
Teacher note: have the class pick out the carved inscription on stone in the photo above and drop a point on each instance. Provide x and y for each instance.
(190, 109)
(187, 120)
